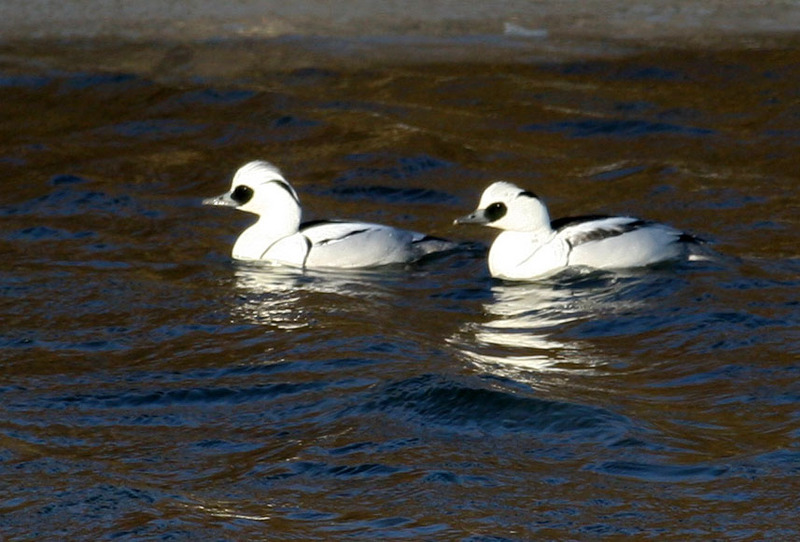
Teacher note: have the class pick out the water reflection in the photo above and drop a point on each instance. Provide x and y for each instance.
(269, 296)
(289, 298)
(527, 325)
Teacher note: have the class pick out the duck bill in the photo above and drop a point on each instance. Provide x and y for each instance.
(223, 200)
(477, 217)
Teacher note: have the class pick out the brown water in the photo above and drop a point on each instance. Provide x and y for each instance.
(153, 389)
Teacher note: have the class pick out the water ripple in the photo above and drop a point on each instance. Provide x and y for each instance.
(431, 399)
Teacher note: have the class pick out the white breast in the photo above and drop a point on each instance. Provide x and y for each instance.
(523, 255)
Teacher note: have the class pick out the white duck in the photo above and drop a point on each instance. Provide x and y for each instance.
(280, 238)
(530, 246)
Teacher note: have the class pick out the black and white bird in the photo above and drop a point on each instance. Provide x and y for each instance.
(279, 237)
(531, 246)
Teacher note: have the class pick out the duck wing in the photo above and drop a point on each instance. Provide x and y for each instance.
(363, 244)
(578, 230)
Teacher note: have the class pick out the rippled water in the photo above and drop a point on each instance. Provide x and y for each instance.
(154, 389)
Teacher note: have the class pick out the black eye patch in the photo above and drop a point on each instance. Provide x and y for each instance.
(495, 211)
(242, 194)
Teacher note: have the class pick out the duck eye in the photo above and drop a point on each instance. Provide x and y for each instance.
(495, 211)
(242, 194)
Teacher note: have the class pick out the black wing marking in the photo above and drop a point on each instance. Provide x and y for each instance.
(427, 238)
(312, 223)
(329, 240)
(309, 244)
(607, 231)
(561, 223)
(603, 231)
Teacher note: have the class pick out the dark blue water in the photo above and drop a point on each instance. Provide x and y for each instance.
(154, 389)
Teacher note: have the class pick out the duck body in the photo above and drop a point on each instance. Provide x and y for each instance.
(339, 245)
(279, 237)
(531, 246)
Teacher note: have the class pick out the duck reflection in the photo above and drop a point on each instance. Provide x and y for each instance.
(289, 298)
(528, 326)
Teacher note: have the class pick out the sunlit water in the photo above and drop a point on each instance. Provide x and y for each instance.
(154, 389)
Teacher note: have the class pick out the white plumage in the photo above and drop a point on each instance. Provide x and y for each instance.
(279, 237)
(530, 246)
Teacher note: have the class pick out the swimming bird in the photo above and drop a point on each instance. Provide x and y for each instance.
(279, 237)
(531, 246)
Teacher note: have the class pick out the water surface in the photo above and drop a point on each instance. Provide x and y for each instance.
(155, 389)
